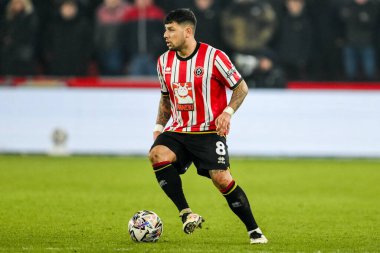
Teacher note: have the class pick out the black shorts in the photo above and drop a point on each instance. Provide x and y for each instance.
(208, 151)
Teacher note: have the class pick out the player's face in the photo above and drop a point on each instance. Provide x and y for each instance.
(175, 35)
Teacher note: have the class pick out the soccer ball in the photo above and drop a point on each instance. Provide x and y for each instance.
(145, 226)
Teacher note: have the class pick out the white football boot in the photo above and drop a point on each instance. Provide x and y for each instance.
(191, 221)
(257, 237)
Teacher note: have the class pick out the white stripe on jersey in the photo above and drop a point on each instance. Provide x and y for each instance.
(224, 71)
(206, 87)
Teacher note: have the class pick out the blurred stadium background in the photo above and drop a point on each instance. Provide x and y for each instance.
(78, 76)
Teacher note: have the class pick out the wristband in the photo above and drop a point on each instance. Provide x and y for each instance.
(229, 110)
(158, 128)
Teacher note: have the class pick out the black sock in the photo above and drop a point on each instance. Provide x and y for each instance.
(170, 181)
(239, 204)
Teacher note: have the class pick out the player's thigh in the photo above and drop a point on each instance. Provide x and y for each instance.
(210, 152)
(165, 148)
(161, 153)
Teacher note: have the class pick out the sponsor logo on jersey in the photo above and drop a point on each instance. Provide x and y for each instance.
(184, 98)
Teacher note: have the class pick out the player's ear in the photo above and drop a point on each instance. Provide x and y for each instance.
(188, 31)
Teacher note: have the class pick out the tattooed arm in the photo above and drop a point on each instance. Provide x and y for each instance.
(238, 95)
(163, 114)
(237, 98)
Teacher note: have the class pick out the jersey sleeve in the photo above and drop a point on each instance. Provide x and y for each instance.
(226, 71)
(164, 89)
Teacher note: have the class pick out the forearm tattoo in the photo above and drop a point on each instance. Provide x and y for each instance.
(163, 115)
(238, 96)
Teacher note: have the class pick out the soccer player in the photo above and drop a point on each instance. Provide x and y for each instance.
(193, 78)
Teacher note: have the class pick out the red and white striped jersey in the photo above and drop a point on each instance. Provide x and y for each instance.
(196, 86)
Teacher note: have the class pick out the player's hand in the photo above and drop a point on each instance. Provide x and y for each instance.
(223, 124)
(156, 134)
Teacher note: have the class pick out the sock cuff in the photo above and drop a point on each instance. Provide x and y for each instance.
(184, 211)
(258, 230)
(161, 165)
(230, 188)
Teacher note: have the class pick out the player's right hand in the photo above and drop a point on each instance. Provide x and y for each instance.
(222, 123)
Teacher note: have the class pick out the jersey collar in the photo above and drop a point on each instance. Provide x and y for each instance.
(190, 56)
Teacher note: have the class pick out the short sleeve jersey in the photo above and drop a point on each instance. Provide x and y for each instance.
(196, 86)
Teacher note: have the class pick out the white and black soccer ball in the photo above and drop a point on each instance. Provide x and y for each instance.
(145, 226)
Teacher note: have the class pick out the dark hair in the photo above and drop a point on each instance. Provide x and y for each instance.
(181, 16)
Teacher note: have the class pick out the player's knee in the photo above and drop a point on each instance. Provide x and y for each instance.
(160, 154)
(222, 184)
(154, 155)
(221, 179)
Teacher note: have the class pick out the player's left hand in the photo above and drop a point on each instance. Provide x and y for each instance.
(223, 124)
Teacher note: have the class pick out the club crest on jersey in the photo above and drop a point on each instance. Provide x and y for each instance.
(183, 93)
(198, 71)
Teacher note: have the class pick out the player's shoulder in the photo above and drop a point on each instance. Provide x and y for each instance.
(217, 51)
(208, 47)
(221, 54)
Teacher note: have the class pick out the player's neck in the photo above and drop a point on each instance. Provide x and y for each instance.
(188, 49)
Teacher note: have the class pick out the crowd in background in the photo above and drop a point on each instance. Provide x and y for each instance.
(270, 41)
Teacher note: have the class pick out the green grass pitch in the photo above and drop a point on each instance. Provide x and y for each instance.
(83, 204)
